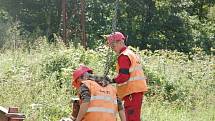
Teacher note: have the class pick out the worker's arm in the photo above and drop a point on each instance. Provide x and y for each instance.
(122, 115)
(121, 110)
(85, 97)
(124, 65)
(82, 111)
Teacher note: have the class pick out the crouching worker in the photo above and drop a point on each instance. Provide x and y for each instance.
(98, 101)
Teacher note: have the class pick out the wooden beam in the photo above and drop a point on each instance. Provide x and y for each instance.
(11, 114)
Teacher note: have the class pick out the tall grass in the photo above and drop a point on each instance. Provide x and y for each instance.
(38, 81)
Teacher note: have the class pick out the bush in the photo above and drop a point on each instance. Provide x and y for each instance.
(43, 77)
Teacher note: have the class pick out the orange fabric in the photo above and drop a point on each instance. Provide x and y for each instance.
(137, 80)
(107, 100)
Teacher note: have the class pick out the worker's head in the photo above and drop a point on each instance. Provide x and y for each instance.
(79, 75)
(116, 41)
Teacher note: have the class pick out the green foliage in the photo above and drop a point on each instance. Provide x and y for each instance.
(162, 24)
(39, 81)
(176, 79)
(59, 64)
(178, 83)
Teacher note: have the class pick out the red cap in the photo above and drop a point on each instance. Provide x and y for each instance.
(79, 72)
(116, 36)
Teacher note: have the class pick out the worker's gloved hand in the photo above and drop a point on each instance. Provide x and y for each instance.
(113, 81)
(103, 81)
(110, 80)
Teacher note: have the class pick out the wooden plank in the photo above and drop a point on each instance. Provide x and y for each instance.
(11, 114)
(3, 111)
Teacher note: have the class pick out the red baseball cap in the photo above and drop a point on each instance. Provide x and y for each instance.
(115, 36)
(79, 72)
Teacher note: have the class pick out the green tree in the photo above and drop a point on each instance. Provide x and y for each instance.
(150, 24)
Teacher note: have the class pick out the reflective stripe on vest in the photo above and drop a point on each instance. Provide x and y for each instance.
(137, 81)
(100, 109)
(106, 98)
(135, 68)
(132, 79)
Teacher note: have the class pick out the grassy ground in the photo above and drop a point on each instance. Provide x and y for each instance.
(38, 82)
(157, 112)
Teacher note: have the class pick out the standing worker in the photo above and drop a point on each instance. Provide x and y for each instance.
(98, 100)
(131, 82)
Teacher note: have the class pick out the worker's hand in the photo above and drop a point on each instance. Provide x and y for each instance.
(103, 81)
(113, 81)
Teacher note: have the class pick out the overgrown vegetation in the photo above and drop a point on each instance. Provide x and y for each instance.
(181, 86)
(150, 24)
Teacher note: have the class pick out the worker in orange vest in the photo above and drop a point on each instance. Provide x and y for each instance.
(131, 82)
(98, 100)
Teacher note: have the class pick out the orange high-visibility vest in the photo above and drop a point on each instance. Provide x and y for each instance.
(137, 80)
(103, 102)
